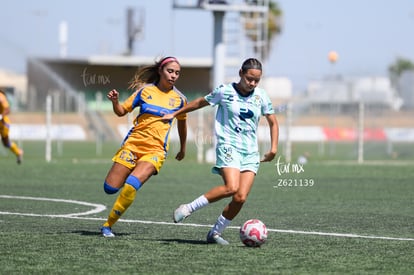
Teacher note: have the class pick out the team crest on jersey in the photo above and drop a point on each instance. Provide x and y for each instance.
(171, 102)
(257, 100)
(127, 156)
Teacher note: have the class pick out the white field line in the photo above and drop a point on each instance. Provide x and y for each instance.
(99, 208)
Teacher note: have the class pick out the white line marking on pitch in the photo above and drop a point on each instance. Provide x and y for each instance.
(347, 235)
(99, 208)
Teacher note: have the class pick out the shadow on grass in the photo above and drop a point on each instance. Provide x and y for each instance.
(96, 233)
(166, 241)
(183, 241)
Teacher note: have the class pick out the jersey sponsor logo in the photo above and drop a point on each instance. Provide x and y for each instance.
(165, 112)
(153, 110)
(238, 129)
(149, 97)
(245, 114)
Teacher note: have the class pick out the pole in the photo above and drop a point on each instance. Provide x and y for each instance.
(199, 137)
(219, 49)
(219, 52)
(333, 58)
(288, 130)
(63, 38)
(48, 153)
(361, 133)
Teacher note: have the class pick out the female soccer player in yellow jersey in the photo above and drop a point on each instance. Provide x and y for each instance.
(5, 126)
(145, 147)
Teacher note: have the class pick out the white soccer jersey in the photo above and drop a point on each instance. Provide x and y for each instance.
(238, 116)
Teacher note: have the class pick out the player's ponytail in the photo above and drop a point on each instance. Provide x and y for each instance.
(149, 74)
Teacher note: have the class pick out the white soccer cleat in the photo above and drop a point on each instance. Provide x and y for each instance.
(216, 238)
(181, 213)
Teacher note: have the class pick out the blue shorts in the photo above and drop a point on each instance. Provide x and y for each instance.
(230, 156)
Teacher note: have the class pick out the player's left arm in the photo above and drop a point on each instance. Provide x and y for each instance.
(182, 133)
(274, 137)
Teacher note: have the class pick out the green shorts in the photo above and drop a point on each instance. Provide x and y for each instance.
(230, 156)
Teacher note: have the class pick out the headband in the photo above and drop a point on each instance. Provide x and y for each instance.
(167, 60)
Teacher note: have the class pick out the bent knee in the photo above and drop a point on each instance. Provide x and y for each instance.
(230, 191)
(109, 189)
(239, 198)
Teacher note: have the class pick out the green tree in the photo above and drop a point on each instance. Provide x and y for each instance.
(274, 27)
(401, 65)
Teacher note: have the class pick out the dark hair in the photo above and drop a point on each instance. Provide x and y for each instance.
(149, 74)
(251, 63)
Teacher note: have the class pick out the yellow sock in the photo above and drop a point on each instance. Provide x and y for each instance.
(15, 149)
(124, 200)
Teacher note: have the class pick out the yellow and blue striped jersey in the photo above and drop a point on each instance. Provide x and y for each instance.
(149, 133)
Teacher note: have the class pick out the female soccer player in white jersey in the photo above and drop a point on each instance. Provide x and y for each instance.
(240, 106)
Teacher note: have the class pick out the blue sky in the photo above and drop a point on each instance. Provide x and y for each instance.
(367, 34)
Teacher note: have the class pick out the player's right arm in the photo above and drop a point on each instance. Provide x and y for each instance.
(192, 106)
(4, 105)
(113, 96)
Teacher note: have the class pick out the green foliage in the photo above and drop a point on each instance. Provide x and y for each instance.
(400, 65)
(274, 26)
(368, 200)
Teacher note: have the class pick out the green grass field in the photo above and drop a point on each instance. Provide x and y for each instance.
(354, 219)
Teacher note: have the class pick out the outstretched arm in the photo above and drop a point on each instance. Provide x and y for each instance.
(192, 106)
(274, 137)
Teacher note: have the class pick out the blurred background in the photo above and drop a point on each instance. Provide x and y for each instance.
(340, 73)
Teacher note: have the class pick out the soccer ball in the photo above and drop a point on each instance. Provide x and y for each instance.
(253, 233)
